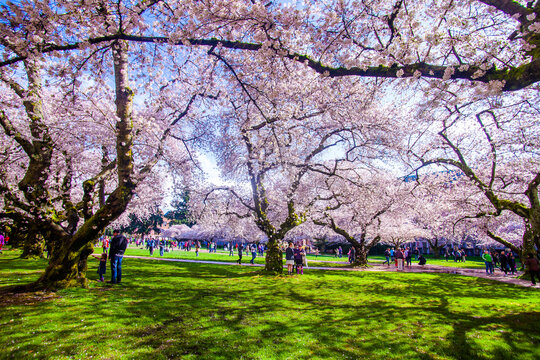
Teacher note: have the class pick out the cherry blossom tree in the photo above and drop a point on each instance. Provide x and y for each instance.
(399, 227)
(491, 146)
(354, 210)
(57, 60)
(280, 140)
(73, 184)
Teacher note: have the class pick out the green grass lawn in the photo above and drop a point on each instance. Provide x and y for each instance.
(473, 262)
(199, 311)
(224, 257)
(321, 260)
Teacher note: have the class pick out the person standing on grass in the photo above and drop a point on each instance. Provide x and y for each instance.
(504, 262)
(102, 267)
(231, 249)
(289, 258)
(512, 262)
(304, 256)
(298, 259)
(240, 249)
(161, 247)
(408, 257)
(399, 259)
(253, 254)
(446, 254)
(532, 265)
(116, 253)
(352, 254)
(495, 258)
(415, 253)
(1, 242)
(488, 261)
(151, 246)
(197, 247)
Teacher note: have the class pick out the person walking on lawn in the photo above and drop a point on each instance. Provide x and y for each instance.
(240, 249)
(387, 256)
(116, 253)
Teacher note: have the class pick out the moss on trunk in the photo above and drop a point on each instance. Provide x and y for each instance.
(67, 268)
(361, 258)
(274, 258)
(33, 246)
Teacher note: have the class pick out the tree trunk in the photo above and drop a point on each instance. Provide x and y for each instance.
(436, 248)
(274, 257)
(528, 245)
(361, 257)
(33, 246)
(67, 268)
(436, 251)
(83, 258)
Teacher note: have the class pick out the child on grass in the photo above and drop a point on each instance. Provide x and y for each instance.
(102, 266)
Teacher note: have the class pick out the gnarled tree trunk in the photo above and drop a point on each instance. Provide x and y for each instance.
(274, 257)
(65, 270)
(68, 261)
(33, 246)
(361, 256)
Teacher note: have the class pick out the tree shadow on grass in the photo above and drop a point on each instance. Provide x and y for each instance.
(180, 310)
(275, 332)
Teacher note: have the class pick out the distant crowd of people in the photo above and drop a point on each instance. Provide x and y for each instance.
(252, 248)
(296, 259)
(459, 255)
(402, 257)
(505, 261)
